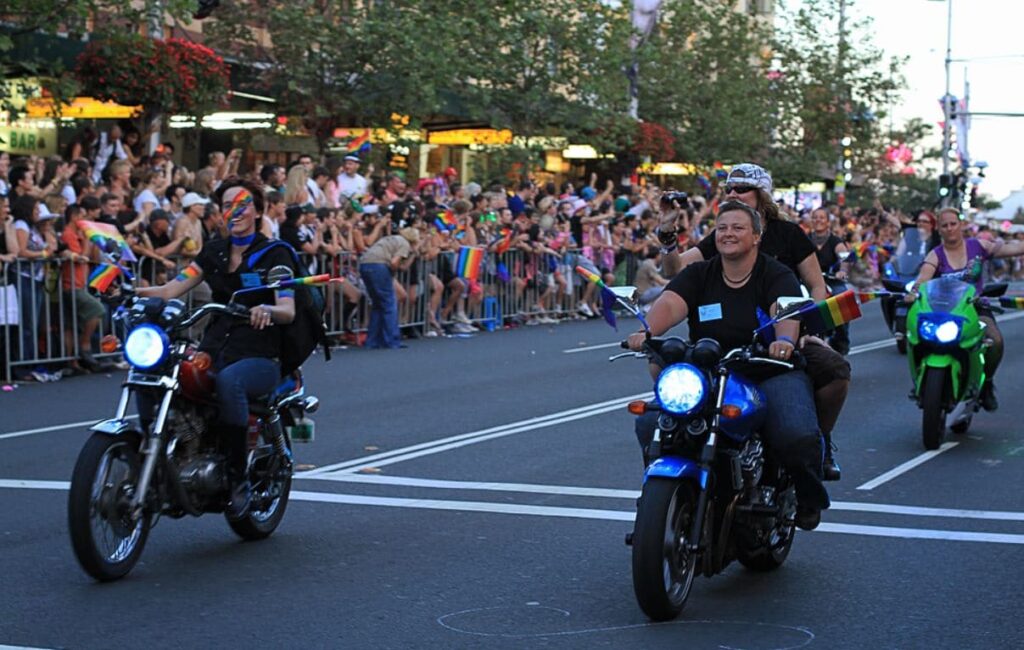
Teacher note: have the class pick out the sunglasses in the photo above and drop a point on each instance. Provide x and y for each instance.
(740, 189)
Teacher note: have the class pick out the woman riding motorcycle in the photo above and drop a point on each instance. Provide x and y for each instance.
(962, 256)
(787, 243)
(720, 299)
(245, 354)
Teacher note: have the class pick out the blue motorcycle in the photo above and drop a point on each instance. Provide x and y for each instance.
(712, 492)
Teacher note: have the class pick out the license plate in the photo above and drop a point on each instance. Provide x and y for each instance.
(302, 431)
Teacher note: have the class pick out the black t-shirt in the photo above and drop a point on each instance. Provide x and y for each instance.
(729, 315)
(157, 241)
(827, 257)
(289, 233)
(782, 240)
(229, 339)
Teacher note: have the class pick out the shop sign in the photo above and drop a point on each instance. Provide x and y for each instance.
(28, 137)
(85, 108)
(377, 135)
(470, 136)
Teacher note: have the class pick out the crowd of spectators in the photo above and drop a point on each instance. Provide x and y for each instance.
(332, 211)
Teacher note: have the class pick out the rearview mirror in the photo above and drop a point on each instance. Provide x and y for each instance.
(789, 304)
(626, 293)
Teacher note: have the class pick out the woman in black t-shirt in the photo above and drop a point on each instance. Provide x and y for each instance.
(786, 242)
(246, 354)
(719, 299)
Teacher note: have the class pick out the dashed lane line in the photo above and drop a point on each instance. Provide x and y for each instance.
(907, 466)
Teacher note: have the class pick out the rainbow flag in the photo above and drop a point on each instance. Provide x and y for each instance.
(864, 249)
(1012, 302)
(360, 143)
(831, 313)
(503, 241)
(867, 296)
(306, 281)
(608, 298)
(102, 276)
(445, 221)
(468, 265)
(107, 238)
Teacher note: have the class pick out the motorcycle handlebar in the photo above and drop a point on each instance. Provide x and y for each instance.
(231, 309)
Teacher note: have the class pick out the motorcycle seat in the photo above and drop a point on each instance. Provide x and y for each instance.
(264, 404)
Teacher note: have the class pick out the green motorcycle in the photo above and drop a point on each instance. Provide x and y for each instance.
(946, 350)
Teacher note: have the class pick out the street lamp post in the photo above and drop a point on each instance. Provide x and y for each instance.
(946, 116)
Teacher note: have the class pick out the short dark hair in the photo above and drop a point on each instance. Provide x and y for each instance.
(253, 188)
(320, 170)
(22, 208)
(734, 206)
(90, 203)
(17, 174)
(274, 197)
(171, 190)
(108, 197)
(267, 171)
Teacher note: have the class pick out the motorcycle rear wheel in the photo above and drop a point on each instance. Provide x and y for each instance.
(933, 415)
(106, 542)
(663, 568)
(261, 522)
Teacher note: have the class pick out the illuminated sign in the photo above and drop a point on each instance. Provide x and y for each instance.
(85, 108)
(674, 169)
(470, 136)
(579, 151)
(377, 135)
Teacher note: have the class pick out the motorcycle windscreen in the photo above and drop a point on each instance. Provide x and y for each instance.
(910, 253)
(945, 293)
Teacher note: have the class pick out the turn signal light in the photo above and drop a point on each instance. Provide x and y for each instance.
(109, 343)
(637, 407)
(731, 411)
(202, 361)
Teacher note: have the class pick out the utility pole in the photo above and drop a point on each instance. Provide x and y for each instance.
(842, 174)
(946, 121)
(155, 28)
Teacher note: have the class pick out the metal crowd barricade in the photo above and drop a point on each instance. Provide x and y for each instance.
(515, 286)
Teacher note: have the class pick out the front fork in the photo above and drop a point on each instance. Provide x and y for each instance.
(707, 455)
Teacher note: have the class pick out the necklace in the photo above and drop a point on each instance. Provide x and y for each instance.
(819, 240)
(741, 280)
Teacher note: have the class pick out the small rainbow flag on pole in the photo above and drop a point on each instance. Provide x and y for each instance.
(503, 241)
(469, 262)
(445, 221)
(107, 238)
(831, 313)
(867, 296)
(102, 276)
(1012, 302)
(608, 298)
(360, 143)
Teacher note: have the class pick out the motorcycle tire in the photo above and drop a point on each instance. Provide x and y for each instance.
(663, 570)
(260, 524)
(108, 509)
(933, 415)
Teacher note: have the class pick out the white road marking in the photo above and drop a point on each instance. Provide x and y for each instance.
(555, 511)
(588, 348)
(907, 466)
(578, 513)
(20, 647)
(56, 427)
(476, 486)
(453, 442)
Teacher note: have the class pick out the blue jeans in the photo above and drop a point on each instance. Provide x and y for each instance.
(30, 296)
(383, 329)
(240, 381)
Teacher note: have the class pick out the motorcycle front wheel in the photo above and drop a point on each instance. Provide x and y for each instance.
(106, 539)
(663, 567)
(933, 415)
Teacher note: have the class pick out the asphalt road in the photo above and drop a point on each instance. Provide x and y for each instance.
(474, 493)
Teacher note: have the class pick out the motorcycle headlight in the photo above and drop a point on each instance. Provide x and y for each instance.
(681, 389)
(146, 347)
(939, 328)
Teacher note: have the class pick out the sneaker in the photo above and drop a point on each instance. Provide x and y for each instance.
(463, 328)
(546, 320)
(461, 318)
(238, 505)
(39, 375)
(585, 309)
(430, 334)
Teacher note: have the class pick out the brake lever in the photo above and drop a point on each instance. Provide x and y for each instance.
(623, 355)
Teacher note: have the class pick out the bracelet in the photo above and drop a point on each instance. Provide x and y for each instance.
(785, 338)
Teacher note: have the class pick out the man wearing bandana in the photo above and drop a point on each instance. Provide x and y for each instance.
(246, 352)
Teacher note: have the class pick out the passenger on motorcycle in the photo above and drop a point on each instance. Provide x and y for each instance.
(829, 247)
(963, 256)
(245, 354)
(787, 243)
(719, 299)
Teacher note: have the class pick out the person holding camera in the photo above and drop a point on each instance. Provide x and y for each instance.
(787, 243)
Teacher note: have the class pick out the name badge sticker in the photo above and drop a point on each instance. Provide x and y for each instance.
(710, 312)
(250, 280)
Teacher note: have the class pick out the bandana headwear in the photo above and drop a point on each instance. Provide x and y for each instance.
(238, 205)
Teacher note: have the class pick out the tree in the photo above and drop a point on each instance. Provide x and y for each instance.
(833, 90)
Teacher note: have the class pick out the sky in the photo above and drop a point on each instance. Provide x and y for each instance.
(982, 29)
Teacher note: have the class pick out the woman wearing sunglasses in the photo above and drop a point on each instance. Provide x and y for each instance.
(787, 243)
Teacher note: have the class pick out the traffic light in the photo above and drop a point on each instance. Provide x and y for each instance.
(945, 184)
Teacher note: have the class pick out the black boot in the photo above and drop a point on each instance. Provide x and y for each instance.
(830, 470)
(236, 441)
(989, 401)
